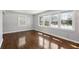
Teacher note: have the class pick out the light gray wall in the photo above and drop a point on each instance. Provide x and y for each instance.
(10, 22)
(71, 35)
(1, 32)
(10, 25)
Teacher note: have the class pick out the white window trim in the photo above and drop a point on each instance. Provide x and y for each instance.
(73, 21)
(59, 21)
(19, 20)
(43, 22)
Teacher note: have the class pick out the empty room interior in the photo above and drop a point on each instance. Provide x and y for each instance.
(39, 29)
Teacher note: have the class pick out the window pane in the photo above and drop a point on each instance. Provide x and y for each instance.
(41, 21)
(46, 20)
(22, 21)
(46, 23)
(54, 21)
(66, 20)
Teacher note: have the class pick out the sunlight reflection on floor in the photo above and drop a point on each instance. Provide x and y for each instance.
(46, 44)
(62, 48)
(40, 41)
(22, 41)
(54, 46)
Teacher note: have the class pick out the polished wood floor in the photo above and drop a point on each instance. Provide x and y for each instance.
(35, 40)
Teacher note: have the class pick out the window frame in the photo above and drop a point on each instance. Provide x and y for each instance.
(59, 20)
(19, 20)
(73, 20)
(43, 21)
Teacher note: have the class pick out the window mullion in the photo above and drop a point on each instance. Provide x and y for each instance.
(59, 21)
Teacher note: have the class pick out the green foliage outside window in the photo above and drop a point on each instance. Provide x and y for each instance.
(46, 23)
(54, 22)
(41, 22)
(66, 22)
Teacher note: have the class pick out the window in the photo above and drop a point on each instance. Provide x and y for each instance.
(66, 20)
(22, 21)
(54, 21)
(41, 20)
(62, 20)
(44, 21)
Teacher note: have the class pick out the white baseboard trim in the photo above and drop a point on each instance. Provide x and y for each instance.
(60, 36)
(15, 31)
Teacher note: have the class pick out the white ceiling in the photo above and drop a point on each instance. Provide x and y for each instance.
(28, 11)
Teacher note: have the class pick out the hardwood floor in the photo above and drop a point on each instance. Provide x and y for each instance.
(35, 40)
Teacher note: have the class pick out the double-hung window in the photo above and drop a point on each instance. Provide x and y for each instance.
(54, 20)
(66, 20)
(44, 21)
(47, 21)
(41, 21)
(62, 20)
